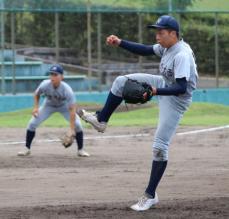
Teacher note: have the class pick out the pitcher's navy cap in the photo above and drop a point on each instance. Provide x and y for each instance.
(166, 22)
(58, 69)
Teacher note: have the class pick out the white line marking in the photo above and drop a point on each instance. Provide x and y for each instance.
(120, 136)
(203, 130)
(87, 138)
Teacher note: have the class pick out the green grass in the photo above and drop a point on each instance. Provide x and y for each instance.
(206, 114)
(199, 114)
(22, 117)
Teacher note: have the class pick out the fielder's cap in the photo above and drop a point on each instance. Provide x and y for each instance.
(58, 69)
(166, 22)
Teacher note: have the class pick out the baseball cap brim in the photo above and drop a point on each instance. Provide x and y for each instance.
(157, 26)
(161, 27)
(55, 72)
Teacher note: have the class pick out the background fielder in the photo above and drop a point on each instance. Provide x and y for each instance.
(175, 86)
(59, 97)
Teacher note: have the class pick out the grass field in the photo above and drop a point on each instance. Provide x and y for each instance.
(199, 114)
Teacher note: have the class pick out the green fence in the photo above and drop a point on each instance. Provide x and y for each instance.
(114, 5)
(76, 30)
(16, 102)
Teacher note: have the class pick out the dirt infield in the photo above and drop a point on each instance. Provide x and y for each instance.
(54, 183)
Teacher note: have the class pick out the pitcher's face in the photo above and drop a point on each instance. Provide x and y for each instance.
(166, 38)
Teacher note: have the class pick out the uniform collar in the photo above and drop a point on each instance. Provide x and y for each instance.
(176, 45)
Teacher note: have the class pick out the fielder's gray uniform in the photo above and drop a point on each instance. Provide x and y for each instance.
(56, 100)
(176, 62)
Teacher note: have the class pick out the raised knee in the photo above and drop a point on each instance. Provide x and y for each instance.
(160, 154)
(119, 80)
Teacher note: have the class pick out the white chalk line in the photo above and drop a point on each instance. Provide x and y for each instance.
(86, 138)
(203, 130)
(120, 136)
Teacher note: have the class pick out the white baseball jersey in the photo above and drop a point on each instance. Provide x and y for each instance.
(178, 61)
(56, 97)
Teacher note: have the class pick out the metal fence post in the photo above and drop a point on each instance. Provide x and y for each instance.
(216, 50)
(57, 36)
(179, 21)
(170, 7)
(89, 42)
(140, 40)
(2, 48)
(99, 48)
(13, 50)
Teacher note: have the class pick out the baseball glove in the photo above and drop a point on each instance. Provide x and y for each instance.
(67, 139)
(136, 92)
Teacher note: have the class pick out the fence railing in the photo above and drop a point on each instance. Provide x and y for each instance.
(81, 29)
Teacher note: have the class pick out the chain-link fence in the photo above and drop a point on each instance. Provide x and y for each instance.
(35, 34)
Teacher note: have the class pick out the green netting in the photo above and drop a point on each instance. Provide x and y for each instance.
(157, 6)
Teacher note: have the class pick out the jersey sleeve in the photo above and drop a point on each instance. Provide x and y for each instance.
(41, 88)
(177, 88)
(70, 97)
(137, 48)
(158, 50)
(182, 66)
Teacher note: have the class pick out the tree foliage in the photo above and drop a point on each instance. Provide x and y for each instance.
(173, 4)
(38, 29)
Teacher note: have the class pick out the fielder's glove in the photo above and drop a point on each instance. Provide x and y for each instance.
(136, 92)
(67, 139)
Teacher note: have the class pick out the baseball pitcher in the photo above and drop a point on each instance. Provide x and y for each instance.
(174, 87)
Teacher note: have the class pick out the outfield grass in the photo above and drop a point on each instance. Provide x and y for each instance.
(199, 114)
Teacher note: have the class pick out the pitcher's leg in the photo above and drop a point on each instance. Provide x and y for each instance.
(110, 106)
(99, 119)
(114, 99)
(153, 80)
(169, 119)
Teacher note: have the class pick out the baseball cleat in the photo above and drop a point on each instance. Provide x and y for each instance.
(25, 152)
(83, 153)
(92, 119)
(145, 203)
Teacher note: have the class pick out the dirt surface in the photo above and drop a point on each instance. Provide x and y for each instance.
(54, 183)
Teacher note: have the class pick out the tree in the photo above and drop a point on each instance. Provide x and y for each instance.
(173, 4)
